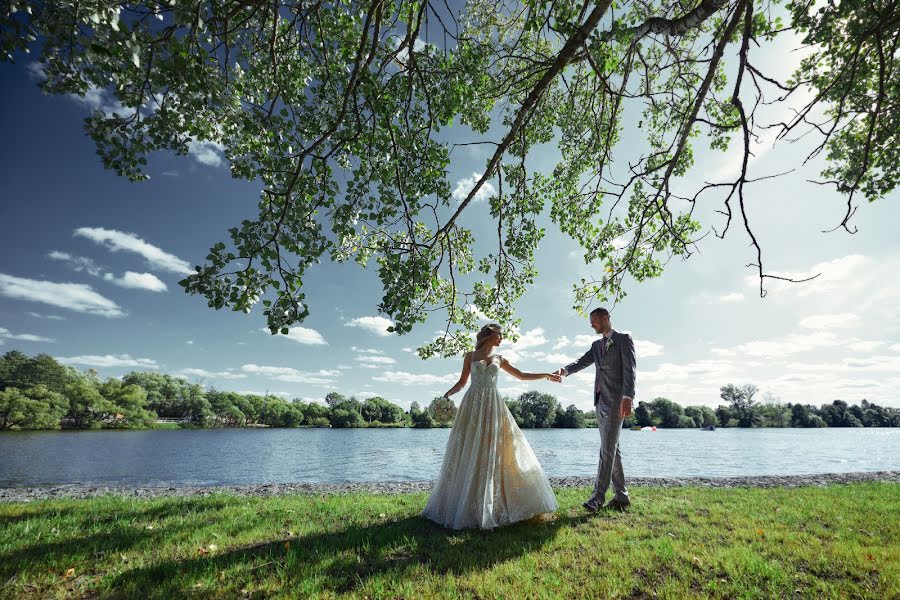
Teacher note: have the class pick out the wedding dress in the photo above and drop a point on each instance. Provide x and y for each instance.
(489, 477)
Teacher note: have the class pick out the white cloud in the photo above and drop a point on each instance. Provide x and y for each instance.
(72, 296)
(557, 358)
(99, 99)
(513, 390)
(139, 281)
(647, 349)
(562, 342)
(895, 347)
(310, 400)
(479, 314)
(829, 321)
(50, 317)
(289, 374)
(206, 152)
(190, 342)
(78, 263)
(6, 334)
(226, 374)
(404, 378)
(376, 325)
(530, 339)
(366, 350)
(128, 242)
(403, 55)
(730, 167)
(36, 71)
(794, 343)
(269, 393)
(131, 280)
(584, 341)
(465, 185)
(302, 335)
(732, 297)
(109, 360)
(838, 275)
(378, 360)
(864, 345)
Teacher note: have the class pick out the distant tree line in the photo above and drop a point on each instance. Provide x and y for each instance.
(40, 393)
(741, 409)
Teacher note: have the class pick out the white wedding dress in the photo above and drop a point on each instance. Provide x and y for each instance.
(490, 477)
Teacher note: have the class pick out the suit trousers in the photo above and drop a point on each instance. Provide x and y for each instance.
(609, 469)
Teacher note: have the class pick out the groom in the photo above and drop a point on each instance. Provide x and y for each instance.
(613, 357)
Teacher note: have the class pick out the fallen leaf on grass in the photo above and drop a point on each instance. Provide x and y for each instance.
(697, 561)
(69, 572)
(870, 557)
(287, 545)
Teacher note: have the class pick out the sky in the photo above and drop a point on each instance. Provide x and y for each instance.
(90, 265)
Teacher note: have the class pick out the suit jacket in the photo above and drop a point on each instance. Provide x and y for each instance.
(615, 371)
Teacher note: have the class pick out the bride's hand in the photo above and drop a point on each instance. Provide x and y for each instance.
(553, 377)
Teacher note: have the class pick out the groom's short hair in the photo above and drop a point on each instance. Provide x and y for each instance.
(600, 312)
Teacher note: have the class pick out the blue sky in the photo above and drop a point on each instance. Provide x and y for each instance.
(91, 264)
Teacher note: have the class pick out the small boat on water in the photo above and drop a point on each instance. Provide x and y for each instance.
(649, 428)
(708, 428)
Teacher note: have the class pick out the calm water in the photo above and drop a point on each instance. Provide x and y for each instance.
(324, 455)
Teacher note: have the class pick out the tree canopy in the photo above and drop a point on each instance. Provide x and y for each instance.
(340, 111)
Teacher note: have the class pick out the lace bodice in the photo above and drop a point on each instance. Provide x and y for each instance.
(485, 372)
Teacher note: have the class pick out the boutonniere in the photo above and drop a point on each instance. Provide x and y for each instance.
(609, 343)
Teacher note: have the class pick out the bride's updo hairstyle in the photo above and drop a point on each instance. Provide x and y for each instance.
(485, 333)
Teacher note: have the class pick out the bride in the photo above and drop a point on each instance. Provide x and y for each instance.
(489, 477)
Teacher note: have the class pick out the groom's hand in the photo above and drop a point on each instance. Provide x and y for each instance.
(626, 406)
(559, 374)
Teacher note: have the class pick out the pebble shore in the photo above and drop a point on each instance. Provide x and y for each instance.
(28, 494)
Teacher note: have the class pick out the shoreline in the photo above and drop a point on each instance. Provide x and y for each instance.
(83, 491)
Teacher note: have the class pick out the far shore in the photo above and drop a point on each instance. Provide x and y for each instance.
(83, 491)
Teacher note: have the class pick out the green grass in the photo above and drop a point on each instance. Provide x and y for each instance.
(837, 542)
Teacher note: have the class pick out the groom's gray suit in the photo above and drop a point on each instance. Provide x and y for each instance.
(615, 364)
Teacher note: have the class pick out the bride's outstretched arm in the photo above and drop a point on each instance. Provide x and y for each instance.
(506, 366)
(463, 377)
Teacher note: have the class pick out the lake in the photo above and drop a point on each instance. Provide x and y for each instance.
(246, 456)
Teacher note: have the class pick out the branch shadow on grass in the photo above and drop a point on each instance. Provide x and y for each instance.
(342, 561)
(34, 557)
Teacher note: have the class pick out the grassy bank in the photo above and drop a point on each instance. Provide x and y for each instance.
(838, 541)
